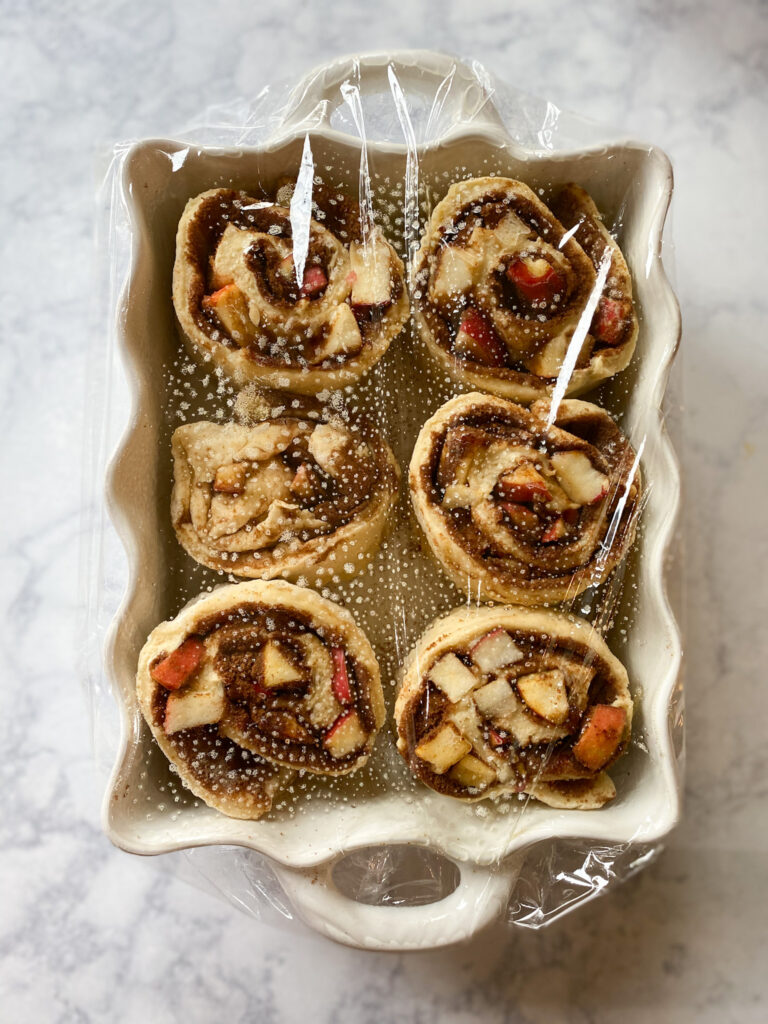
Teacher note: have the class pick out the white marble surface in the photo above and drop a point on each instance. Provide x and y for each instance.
(90, 934)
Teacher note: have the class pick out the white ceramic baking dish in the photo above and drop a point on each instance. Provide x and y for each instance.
(143, 812)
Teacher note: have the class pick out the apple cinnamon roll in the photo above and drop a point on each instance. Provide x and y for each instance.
(510, 296)
(514, 700)
(294, 496)
(517, 510)
(284, 299)
(254, 680)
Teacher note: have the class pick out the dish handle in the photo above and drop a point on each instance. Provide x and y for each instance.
(461, 93)
(480, 897)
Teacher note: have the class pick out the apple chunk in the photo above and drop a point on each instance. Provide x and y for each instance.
(580, 480)
(495, 650)
(320, 703)
(231, 309)
(345, 735)
(456, 273)
(372, 281)
(545, 694)
(276, 670)
(443, 749)
(453, 677)
(342, 337)
(523, 484)
(473, 773)
(178, 667)
(477, 341)
(496, 700)
(231, 479)
(200, 703)
(601, 734)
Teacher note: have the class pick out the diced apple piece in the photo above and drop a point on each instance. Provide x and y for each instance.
(456, 273)
(545, 694)
(495, 650)
(315, 280)
(580, 480)
(456, 455)
(499, 702)
(201, 703)
(554, 532)
(443, 749)
(477, 341)
(231, 308)
(473, 773)
(343, 335)
(548, 361)
(496, 699)
(601, 734)
(372, 283)
(231, 479)
(520, 515)
(610, 320)
(306, 483)
(179, 666)
(536, 279)
(276, 670)
(322, 707)
(523, 484)
(342, 691)
(346, 735)
(453, 677)
(286, 268)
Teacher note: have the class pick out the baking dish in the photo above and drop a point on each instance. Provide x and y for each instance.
(144, 812)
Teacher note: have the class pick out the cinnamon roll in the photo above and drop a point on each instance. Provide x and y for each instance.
(510, 296)
(294, 496)
(514, 700)
(517, 510)
(254, 680)
(289, 301)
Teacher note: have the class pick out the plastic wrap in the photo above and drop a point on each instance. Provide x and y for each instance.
(377, 858)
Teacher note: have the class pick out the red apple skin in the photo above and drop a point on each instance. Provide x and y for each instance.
(554, 532)
(533, 288)
(495, 738)
(600, 736)
(211, 301)
(486, 636)
(339, 722)
(314, 281)
(520, 514)
(490, 349)
(522, 490)
(175, 669)
(342, 691)
(609, 321)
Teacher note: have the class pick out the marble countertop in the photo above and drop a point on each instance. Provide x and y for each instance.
(88, 933)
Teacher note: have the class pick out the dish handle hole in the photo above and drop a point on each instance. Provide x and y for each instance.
(395, 875)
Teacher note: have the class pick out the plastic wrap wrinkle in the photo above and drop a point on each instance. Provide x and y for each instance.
(392, 132)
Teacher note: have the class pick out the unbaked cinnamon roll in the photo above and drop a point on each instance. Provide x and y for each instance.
(517, 510)
(253, 680)
(290, 302)
(295, 496)
(510, 297)
(514, 700)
